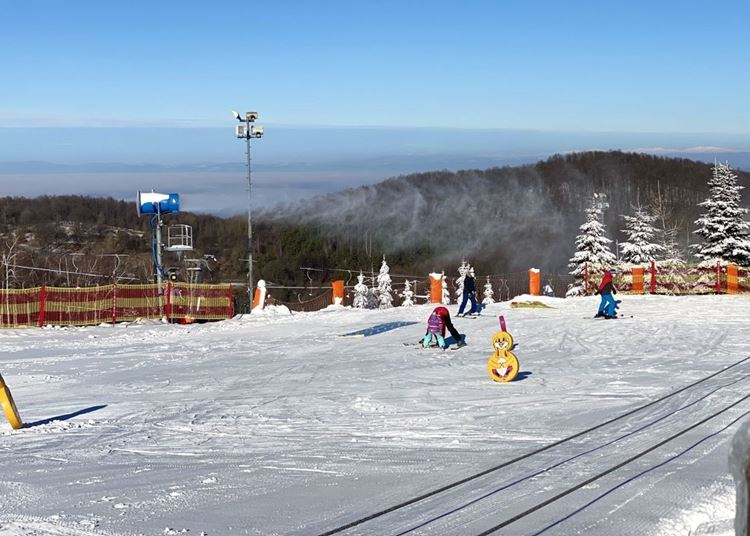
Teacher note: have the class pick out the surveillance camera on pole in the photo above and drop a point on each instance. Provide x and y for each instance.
(256, 131)
(251, 117)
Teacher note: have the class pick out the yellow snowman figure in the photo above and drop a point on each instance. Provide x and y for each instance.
(9, 407)
(502, 366)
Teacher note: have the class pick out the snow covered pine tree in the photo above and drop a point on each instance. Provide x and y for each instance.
(407, 296)
(446, 298)
(361, 294)
(640, 247)
(385, 299)
(723, 227)
(592, 248)
(488, 293)
(462, 271)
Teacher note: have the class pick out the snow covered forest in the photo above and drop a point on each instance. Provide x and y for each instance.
(509, 219)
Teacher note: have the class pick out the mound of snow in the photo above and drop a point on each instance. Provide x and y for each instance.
(269, 310)
(336, 307)
(529, 299)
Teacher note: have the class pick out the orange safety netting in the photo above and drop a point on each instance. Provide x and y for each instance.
(199, 302)
(113, 303)
(660, 278)
(19, 307)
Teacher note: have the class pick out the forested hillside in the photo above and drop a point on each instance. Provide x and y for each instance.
(501, 219)
(510, 218)
(83, 241)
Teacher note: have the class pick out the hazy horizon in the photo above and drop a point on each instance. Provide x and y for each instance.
(207, 165)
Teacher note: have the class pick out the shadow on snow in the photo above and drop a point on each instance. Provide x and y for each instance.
(65, 417)
(378, 329)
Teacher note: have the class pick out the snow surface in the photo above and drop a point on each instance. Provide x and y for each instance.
(280, 423)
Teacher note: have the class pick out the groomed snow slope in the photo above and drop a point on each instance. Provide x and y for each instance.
(278, 424)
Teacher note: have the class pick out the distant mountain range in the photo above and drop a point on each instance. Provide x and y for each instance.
(384, 164)
(506, 218)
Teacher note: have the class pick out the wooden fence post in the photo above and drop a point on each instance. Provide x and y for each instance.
(168, 308)
(718, 278)
(42, 305)
(652, 289)
(230, 303)
(114, 303)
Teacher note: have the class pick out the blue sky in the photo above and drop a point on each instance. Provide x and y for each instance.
(395, 79)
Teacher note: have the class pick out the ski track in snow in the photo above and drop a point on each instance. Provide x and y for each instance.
(273, 424)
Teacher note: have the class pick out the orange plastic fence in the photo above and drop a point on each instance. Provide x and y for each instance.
(113, 303)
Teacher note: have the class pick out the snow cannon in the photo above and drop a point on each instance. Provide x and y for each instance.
(156, 203)
(502, 366)
(9, 407)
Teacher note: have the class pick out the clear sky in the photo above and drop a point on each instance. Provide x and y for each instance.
(636, 68)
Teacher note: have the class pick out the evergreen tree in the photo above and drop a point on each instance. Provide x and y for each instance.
(407, 295)
(384, 297)
(464, 269)
(640, 247)
(372, 294)
(592, 248)
(361, 294)
(446, 300)
(488, 293)
(723, 227)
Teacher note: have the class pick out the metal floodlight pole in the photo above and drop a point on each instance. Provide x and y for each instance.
(247, 131)
(249, 221)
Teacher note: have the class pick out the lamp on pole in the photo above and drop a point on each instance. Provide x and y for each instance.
(245, 130)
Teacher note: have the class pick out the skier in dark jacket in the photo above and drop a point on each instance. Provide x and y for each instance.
(470, 293)
(606, 289)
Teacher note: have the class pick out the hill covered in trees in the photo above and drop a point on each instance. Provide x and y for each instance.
(509, 218)
(500, 219)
